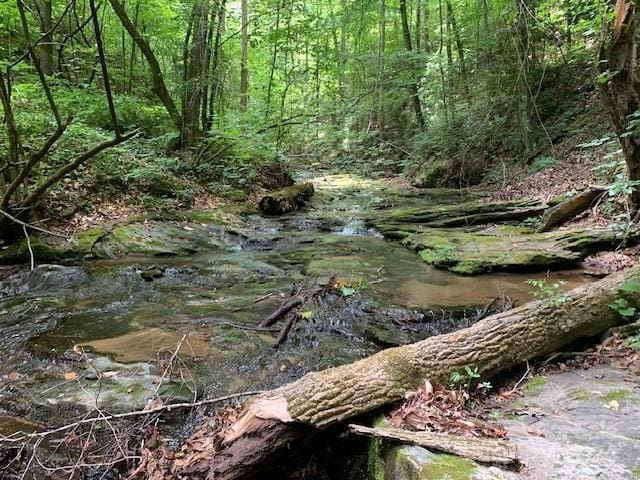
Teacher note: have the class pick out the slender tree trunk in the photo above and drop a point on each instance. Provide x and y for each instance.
(216, 69)
(45, 47)
(524, 98)
(157, 80)
(274, 55)
(204, 121)
(443, 83)
(381, 60)
(413, 86)
(425, 29)
(132, 58)
(620, 88)
(458, 38)
(195, 74)
(244, 47)
(418, 25)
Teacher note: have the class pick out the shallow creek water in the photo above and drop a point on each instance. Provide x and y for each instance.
(129, 326)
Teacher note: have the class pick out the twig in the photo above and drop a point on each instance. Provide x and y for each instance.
(263, 297)
(32, 260)
(243, 327)
(16, 438)
(170, 364)
(519, 382)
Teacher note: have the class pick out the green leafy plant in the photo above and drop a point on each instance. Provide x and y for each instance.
(623, 307)
(550, 292)
(621, 304)
(543, 162)
(464, 379)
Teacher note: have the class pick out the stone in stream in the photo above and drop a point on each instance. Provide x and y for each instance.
(509, 248)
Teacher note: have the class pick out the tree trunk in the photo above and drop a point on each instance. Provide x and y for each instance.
(195, 74)
(458, 38)
(413, 86)
(45, 47)
(244, 47)
(273, 422)
(524, 97)
(620, 89)
(157, 80)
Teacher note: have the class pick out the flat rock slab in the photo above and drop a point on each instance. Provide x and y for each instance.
(504, 248)
(579, 425)
(575, 425)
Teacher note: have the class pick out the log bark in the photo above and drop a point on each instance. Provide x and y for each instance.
(287, 199)
(484, 450)
(568, 209)
(327, 398)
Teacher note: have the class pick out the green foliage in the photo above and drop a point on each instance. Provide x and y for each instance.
(623, 307)
(621, 304)
(551, 293)
(542, 163)
(467, 379)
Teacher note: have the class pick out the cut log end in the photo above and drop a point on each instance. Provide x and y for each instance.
(261, 411)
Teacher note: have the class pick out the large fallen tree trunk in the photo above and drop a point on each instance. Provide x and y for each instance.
(276, 420)
(287, 199)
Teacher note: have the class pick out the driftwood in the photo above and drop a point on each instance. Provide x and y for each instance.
(287, 199)
(275, 421)
(569, 208)
(484, 450)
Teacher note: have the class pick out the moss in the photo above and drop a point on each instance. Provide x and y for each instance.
(636, 472)
(578, 394)
(533, 386)
(84, 241)
(617, 395)
(449, 467)
(19, 252)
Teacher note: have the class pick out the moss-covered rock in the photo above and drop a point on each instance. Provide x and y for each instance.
(461, 214)
(157, 239)
(504, 247)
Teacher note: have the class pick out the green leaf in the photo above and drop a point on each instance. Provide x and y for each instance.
(347, 291)
(632, 286)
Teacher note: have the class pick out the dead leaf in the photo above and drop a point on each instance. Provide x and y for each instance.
(535, 433)
(70, 376)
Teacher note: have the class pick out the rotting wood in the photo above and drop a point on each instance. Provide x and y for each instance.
(569, 208)
(286, 200)
(330, 397)
(484, 450)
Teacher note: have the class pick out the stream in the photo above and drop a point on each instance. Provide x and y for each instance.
(129, 314)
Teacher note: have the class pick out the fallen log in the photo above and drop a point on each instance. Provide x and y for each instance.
(569, 208)
(484, 450)
(276, 420)
(286, 200)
